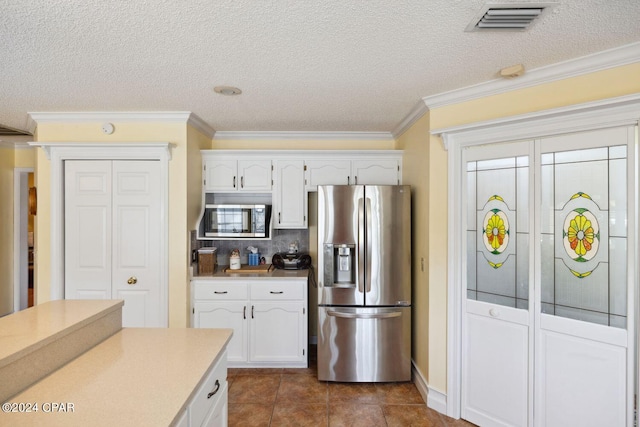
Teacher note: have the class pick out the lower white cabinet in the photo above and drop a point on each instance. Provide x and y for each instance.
(268, 318)
(209, 405)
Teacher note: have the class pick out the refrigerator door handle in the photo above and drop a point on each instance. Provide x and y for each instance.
(368, 250)
(345, 315)
(361, 241)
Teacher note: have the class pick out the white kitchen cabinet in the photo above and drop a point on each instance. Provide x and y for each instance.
(229, 314)
(289, 319)
(290, 197)
(378, 172)
(230, 175)
(268, 318)
(209, 405)
(366, 171)
(326, 172)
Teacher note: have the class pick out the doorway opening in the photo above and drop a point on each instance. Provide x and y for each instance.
(24, 228)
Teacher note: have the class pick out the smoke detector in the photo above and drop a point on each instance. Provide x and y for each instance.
(508, 16)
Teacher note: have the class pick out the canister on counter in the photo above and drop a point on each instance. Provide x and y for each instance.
(207, 261)
(254, 259)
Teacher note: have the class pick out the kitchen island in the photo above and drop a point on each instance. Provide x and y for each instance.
(134, 377)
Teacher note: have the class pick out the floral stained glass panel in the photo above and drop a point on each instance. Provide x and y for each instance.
(583, 246)
(494, 196)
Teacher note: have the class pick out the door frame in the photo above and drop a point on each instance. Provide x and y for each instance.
(20, 242)
(58, 153)
(612, 112)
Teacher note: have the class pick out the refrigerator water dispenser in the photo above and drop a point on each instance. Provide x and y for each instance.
(341, 270)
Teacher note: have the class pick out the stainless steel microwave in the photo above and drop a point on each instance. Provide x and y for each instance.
(236, 220)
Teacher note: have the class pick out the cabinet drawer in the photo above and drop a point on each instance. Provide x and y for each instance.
(220, 291)
(208, 394)
(277, 291)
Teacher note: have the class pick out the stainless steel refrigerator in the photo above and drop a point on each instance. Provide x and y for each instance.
(364, 283)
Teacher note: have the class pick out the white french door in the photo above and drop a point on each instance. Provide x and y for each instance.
(112, 232)
(547, 329)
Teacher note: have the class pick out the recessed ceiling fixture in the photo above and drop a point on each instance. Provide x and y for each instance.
(227, 90)
(507, 16)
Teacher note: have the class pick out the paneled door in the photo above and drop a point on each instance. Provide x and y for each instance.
(549, 279)
(112, 236)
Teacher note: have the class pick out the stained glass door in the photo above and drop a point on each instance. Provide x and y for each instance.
(585, 279)
(549, 276)
(497, 337)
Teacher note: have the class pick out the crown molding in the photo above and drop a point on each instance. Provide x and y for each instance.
(624, 55)
(83, 150)
(384, 136)
(610, 112)
(33, 119)
(419, 110)
(199, 124)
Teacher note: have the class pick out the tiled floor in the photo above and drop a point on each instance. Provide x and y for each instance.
(295, 397)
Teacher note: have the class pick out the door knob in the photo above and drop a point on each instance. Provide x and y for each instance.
(132, 280)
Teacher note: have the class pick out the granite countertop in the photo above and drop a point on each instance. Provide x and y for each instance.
(137, 377)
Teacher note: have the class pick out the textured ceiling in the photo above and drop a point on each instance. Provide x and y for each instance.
(331, 65)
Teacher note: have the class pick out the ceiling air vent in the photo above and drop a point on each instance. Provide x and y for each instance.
(7, 131)
(508, 16)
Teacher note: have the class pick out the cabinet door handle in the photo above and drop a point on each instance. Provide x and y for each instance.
(356, 179)
(276, 292)
(220, 292)
(278, 217)
(242, 181)
(234, 182)
(252, 312)
(244, 312)
(217, 384)
(348, 179)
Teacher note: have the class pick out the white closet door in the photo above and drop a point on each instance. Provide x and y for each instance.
(112, 236)
(87, 224)
(497, 317)
(136, 241)
(584, 347)
(550, 269)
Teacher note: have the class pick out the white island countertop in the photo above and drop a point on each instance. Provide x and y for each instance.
(137, 377)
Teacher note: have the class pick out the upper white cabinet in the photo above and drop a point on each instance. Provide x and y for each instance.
(327, 172)
(289, 197)
(285, 177)
(228, 175)
(366, 169)
(375, 172)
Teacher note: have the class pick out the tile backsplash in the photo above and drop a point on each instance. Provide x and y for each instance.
(279, 242)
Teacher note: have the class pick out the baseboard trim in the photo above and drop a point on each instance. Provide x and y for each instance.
(435, 399)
